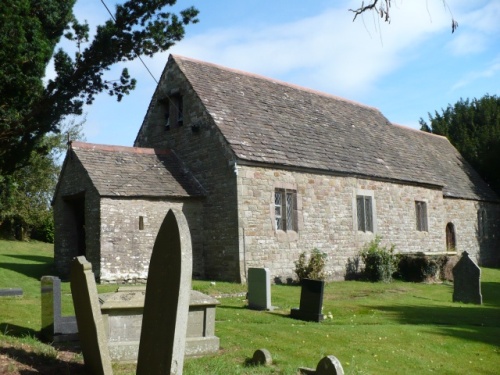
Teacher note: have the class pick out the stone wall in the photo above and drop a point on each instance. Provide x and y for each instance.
(201, 147)
(326, 219)
(126, 249)
(75, 193)
(483, 246)
(113, 243)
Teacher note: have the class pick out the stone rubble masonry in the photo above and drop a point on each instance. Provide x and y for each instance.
(115, 246)
(208, 158)
(326, 220)
(75, 187)
(125, 249)
(232, 227)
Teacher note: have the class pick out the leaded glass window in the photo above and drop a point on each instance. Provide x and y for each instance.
(364, 213)
(421, 212)
(285, 209)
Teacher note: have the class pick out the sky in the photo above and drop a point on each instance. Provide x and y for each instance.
(406, 69)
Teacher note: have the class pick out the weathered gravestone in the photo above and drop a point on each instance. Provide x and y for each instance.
(328, 365)
(311, 301)
(467, 281)
(259, 289)
(122, 315)
(164, 322)
(92, 335)
(262, 357)
(55, 327)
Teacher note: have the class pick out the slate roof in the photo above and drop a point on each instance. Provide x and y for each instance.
(135, 172)
(272, 122)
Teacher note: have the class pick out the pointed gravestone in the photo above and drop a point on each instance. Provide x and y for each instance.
(166, 305)
(93, 340)
(467, 281)
(259, 289)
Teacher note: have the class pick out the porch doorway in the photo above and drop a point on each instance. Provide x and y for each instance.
(76, 209)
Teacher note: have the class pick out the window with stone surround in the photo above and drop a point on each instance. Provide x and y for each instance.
(285, 210)
(364, 210)
(421, 212)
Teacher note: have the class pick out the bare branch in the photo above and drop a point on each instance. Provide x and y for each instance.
(382, 8)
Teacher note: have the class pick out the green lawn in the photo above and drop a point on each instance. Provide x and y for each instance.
(396, 328)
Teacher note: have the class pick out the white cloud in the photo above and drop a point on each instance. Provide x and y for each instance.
(491, 70)
(328, 51)
(478, 29)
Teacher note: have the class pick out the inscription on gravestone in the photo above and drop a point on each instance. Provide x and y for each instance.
(166, 305)
(467, 281)
(259, 289)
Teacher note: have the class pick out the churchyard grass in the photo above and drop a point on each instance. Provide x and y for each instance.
(372, 328)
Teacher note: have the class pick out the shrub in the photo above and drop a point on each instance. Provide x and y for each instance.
(421, 267)
(380, 262)
(417, 267)
(314, 268)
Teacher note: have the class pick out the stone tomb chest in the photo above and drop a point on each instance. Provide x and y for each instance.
(122, 316)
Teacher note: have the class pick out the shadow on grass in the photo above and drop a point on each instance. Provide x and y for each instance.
(40, 363)
(44, 266)
(17, 331)
(491, 294)
(31, 258)
(479, 323)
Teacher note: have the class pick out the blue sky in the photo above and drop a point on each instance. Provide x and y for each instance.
(407, 68)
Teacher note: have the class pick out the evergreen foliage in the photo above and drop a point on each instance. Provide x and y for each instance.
(32, 113)
(473, 127)
(314, 268)
(25, 195)
(379, 261)
(29, 33)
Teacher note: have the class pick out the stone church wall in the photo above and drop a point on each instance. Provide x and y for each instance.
(128, 232)
(76, 198)
(200, 146)
(326, 219)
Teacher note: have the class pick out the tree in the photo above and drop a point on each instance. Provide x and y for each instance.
(473, 127)
(25, 195)
(383, 9)
(29, 33)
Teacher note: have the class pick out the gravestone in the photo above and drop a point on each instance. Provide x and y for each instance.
(262, 357)
(122, 315)
(467, 281)
(166, 305)
(55, 327)
(328, 365)
(11, 292)
(259, 289)
(311, 301)
(93, 340)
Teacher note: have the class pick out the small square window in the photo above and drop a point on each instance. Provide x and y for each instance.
(421, 212)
